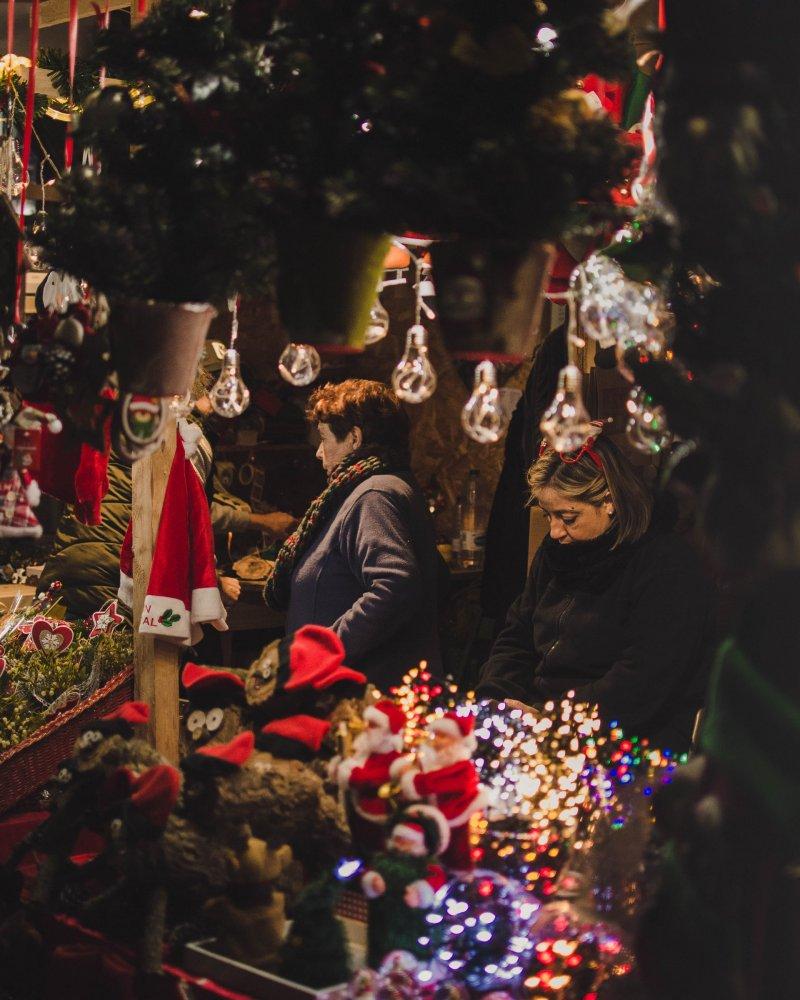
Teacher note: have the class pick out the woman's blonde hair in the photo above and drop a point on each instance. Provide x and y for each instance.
(586, 481)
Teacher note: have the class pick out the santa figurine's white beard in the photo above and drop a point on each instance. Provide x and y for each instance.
(372, 741)
(432, 760)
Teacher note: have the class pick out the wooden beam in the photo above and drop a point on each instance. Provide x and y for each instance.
(155, 661)
(54, 12)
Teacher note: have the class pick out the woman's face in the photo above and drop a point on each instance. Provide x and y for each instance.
(332, 451)
(571, 520)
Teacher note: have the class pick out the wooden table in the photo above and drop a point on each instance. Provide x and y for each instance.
(249, 613)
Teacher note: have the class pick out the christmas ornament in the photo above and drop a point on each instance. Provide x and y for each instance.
(647, 427)
(566, 423)
(299, 364)
(59, 291)
(378, 325)
(51, 637)
(70, 332)
(414, 378)
(483, 417)
(11, 180)
(105, 620)
(478, 931)
(229, 396)
(143, 421)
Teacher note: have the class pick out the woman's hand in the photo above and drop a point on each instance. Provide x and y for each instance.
(231, 589)
(278, 524)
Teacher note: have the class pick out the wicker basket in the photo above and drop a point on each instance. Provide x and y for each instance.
(27, 766)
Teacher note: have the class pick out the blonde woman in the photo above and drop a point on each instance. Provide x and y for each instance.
(615, 607)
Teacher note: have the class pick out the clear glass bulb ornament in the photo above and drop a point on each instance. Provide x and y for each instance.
(229, 396)
(647, 427)
(378, 325)
(180, 406)
(566, 423)
(596, 285)
(414, 378)
(483, 417)
(299, 364)
(38, 232)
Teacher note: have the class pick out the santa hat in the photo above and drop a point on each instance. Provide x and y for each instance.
(458, 726)
(154, 794)
(298, 737)
(425, 825)
(389, 718)
(182, 592)
(221, 758)
(316, 660)
(202, 684)
(121, 721)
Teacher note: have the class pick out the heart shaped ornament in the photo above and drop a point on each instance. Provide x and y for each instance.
(51, 637)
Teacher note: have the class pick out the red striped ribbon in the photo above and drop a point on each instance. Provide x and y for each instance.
(27, 134)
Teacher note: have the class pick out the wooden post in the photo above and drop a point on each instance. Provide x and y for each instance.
(155, 661)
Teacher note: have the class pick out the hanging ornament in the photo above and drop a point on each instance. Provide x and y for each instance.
(142, 422)
(38, 226)
(229, 396)
(299, 364)
(566, 423)
(378, 325)
(647, 426)
(12, 181)
(483, 417)
(414, 377)
(180, 406)
(478, 928)
(594, 285)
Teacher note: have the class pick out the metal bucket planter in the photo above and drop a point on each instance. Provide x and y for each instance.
(156, 346)
(327, 281)
(489, 295)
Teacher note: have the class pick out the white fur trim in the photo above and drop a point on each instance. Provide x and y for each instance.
(155, 608)
(400, 765)
(407, 785)
(431, 812)
(370, 886)
(190, 435)
(480, 801)
(345, 769)
(125, 590)
(29, 531)
(372, 714)
(33, 494)
(207, 607)
(425, 894)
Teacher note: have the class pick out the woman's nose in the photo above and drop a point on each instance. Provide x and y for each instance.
(319, 453)
(557, 530)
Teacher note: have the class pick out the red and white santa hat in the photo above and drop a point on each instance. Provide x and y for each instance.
(425, 826)
(182, 592)
(456, 725)
(389, 717)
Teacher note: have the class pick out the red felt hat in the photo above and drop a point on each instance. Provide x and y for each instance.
(303, 729)
(387, 715)
(135, 713)
(155, 793)
(195, 677)
(316, 660)
(235, 753)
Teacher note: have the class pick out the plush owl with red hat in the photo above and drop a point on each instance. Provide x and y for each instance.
(111, 742)
(445, 776)
(402, 881)
(371, 765)
(215, 706)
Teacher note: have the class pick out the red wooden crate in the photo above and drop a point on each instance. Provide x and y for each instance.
(27, 766)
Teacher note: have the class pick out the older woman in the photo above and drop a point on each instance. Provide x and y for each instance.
(363, 560)
(615, 607)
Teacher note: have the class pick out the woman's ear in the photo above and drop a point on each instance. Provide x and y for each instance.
(358, 438)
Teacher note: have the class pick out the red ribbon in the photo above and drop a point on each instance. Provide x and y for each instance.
(73, 51)
(10, 27)
(141, 8)
(30, 98)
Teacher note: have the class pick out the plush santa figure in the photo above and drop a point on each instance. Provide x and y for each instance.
(402, 881)
(376, 753)
(446, 777)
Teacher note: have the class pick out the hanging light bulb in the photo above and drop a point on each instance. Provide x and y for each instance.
(229, 396)
(647, 426)
(180, 406)
(11, 179)
(39, 225)
(414, 378)
(378, 325)
(483, 417)
(299, 364)
(566, 423)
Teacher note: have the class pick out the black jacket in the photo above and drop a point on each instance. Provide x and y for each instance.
(629, 628)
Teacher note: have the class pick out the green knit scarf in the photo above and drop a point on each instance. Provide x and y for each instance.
(344, 479)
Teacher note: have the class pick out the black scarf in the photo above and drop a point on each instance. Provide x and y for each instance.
(585, 565)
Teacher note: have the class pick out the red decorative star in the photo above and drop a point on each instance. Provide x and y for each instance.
(105, 620)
